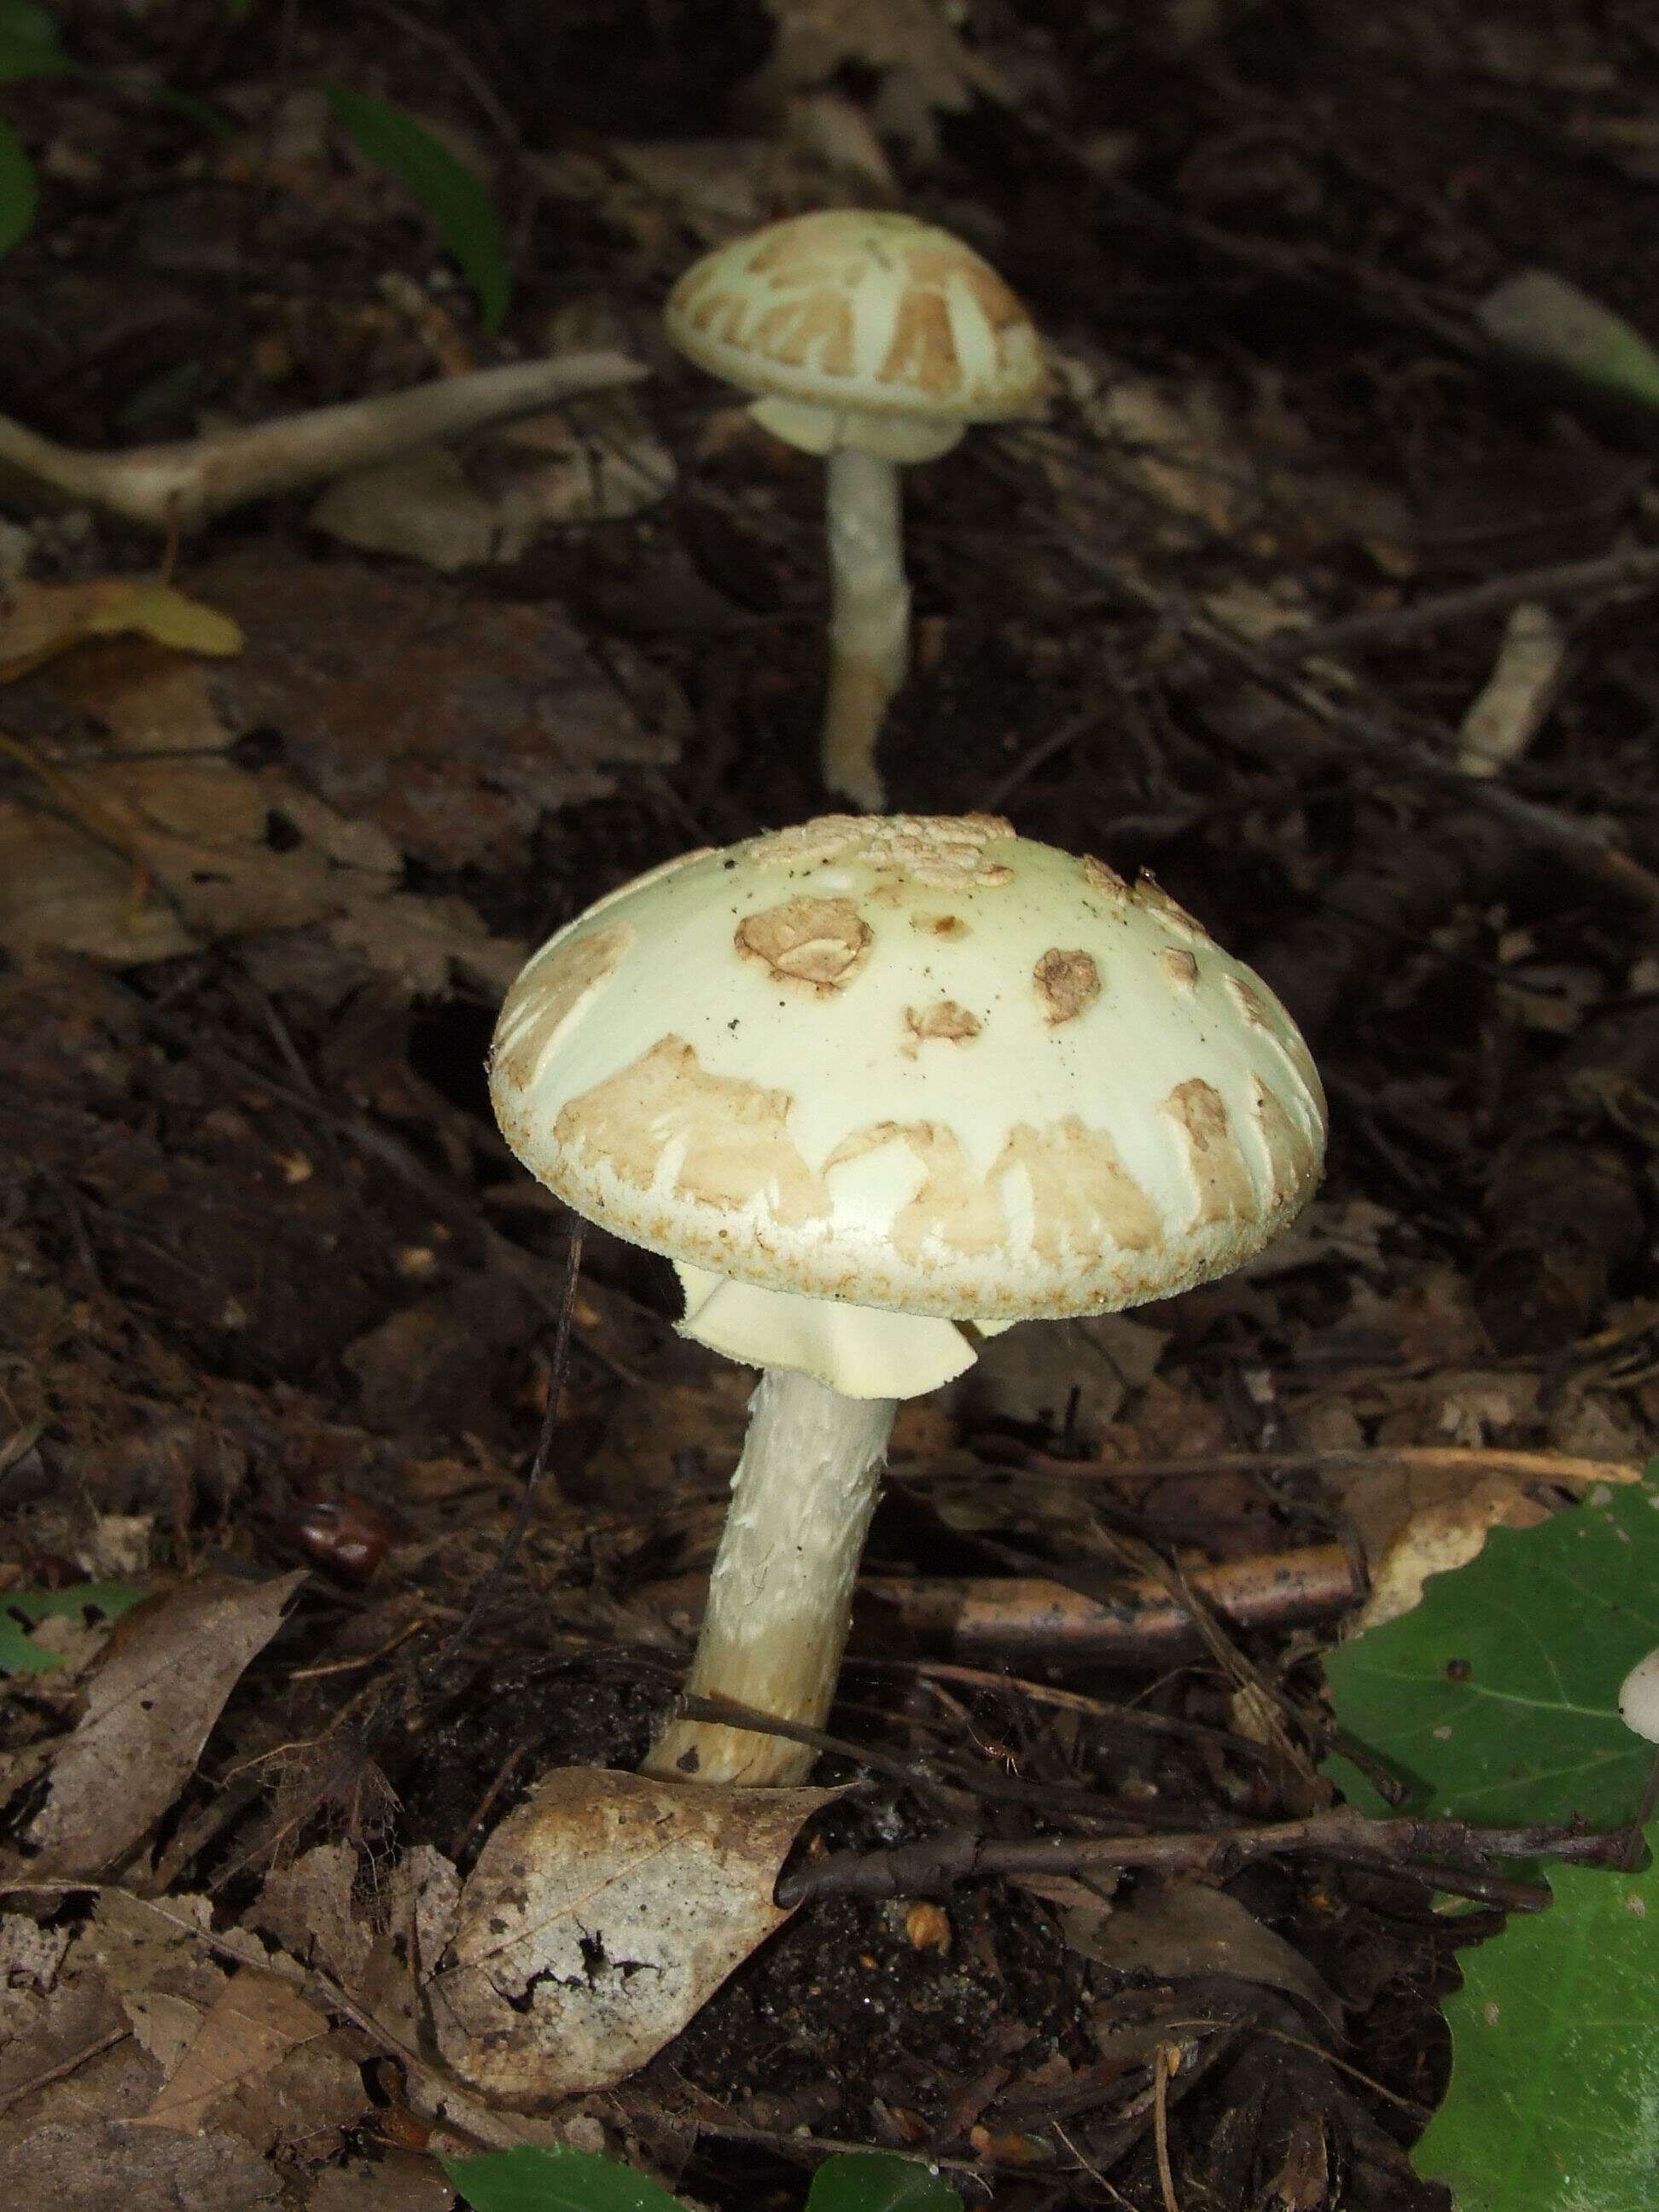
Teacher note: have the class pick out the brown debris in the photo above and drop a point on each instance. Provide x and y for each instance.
(170, 1667)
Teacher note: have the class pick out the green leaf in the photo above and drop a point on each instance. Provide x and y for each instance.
(1497, 1697)
(29, 45)
(535, 2180)
(879, 2181)
(1543, 320)
(18, 194)
(19, 1653)
(455, 199)
(1553, 2105)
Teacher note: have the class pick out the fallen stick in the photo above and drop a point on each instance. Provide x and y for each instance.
(179, 486)
(1440, 1851)
(1634, 570)
(1028, 1617)
(1471, 1459)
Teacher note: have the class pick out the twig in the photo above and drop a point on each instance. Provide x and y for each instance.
(177, 486)
(936, 1775)
(1130, 1718)
(85, 810)
(64, 2068)
(1365, 737)
(1472, 1460)
(480, 1811)
(1038, 1617)
(934, 1867)
(1178, 1584)
(1635, 569)
(1167, 2065)
(792, 2140)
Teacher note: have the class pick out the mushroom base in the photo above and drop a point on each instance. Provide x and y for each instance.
(781, 1595)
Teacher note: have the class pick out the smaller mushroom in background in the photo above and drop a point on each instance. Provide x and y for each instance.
(878, 1087)
(875, 340)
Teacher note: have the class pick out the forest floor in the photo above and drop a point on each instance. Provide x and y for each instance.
(277, 1308)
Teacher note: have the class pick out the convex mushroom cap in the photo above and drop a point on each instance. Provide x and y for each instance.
(916, 1063)
(854, 327)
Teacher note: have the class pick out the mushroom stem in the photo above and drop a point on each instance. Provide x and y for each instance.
(781, 1595)
(869, 619)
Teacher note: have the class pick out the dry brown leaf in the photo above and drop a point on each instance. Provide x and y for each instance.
(40, 2031)
(419, 1900)
(1182, 1931)
(144, 856)
(39, 620)
(30, 1955)
(141, 1946)
(248, 2033)
(1419, 1513)
(170, 1667)
(451, 724)
(167, 854)
(310, 1908)
(603, 1912)
(150, 702)
(95, 2165)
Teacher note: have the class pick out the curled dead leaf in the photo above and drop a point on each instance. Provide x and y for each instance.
(170, 1667)
(603, 1913)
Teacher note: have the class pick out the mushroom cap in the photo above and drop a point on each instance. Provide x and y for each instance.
(869, 313)
(914, 1063)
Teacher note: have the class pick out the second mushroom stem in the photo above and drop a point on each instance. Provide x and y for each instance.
(869, 618)
(781, 1595)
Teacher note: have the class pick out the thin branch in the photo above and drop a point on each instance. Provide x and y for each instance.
(934, 1867)
(175, 486)
(1464, 1460)
(1367, 737)
(1041, 1615)
(64, 2068)
(1636, 570)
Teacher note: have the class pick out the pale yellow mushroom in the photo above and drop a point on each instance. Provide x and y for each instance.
(874, 340)
(880, 1086)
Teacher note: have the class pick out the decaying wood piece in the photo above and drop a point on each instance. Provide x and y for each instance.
(1027, 1617)
(179, 486)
